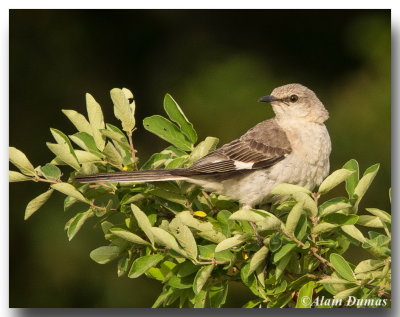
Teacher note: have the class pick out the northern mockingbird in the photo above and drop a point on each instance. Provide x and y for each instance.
(293, 147)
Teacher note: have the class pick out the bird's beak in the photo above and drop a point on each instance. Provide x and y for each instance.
(268, 99)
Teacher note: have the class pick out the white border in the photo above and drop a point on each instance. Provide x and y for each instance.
(205, 4)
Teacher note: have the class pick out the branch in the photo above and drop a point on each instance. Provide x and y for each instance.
(312, 249)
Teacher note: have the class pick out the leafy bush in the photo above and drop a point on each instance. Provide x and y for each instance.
(197, 243)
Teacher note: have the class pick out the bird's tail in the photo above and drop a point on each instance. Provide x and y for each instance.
(157, 175)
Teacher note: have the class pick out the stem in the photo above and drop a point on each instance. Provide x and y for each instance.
(133, 151)
(312, 249)
(39, 179)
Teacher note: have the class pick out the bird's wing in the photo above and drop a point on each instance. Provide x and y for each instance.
(260, 147)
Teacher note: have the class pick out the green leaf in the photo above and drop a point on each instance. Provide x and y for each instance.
(368, 265)
(333, 205)
(286, 249)
(185, 237)
(288, 189)
(14, 176)
(305, 296)
(122, 266)
(270, 222)
(166, 239)
(252, 303)
(180, 283)
(334, 281)
(365, 183)
(112, 154)
(96, 120)
(334, 179)
(246, 215)
(143, 222)
(176, 114)
(69, 190)
(200, 299)
(203, 148)
(231, 242)
(78, 120)
(258, 259)
(64, 154)
(168, 195)
(217, 294)
(309, 205)
(293, 218)
(36, 203)
(370, 221)
(114, 133)
(86, 142)
(86, 157)
(105, 254)
(142, 264)
(352, 180)
(281, 265)
(186, 268)
(62, 139)
(77, 222)
(274, 243)
(341, 219)
(51, 172)
(123, 110)
(381, 214)
(342, 267)
(128, 236)
(346, 293)
(324, 227)
(353, 232)
(20, 160)
(168, 131)
(201, 278)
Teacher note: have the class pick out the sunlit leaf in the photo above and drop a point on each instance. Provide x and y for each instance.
(36, 203)
(128, 236)
(185, 237)
(64, 154)
(20, 160)
(142, 264)
(122, 109)
(334, 179)
(305, 296)
(96, 120)
(258, 259)
(143, 222)
(105, 254)
(201, 277)
(78, 120)
(342, 267)
(168, 131)
(77, 222)
(69, 190)
(176, 114)
(14, 176)
(231, 242)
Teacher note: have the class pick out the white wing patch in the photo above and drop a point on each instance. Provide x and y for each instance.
(243, 166)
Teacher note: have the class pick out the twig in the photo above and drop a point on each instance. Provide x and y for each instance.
(39, 179)
(312, 249)
(133, 151)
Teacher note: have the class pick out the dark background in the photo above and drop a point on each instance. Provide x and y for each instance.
(215, 63)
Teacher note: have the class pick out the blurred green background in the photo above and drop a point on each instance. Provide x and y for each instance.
(215, 63)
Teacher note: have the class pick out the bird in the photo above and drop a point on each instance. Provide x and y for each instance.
(292, 147)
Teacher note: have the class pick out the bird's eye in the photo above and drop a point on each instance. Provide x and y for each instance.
(293, 98)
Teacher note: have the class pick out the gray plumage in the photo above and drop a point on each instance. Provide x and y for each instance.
(293, 147)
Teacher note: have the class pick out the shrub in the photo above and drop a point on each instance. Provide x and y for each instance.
(195, 243)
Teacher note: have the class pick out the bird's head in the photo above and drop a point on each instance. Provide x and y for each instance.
(295, 101)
